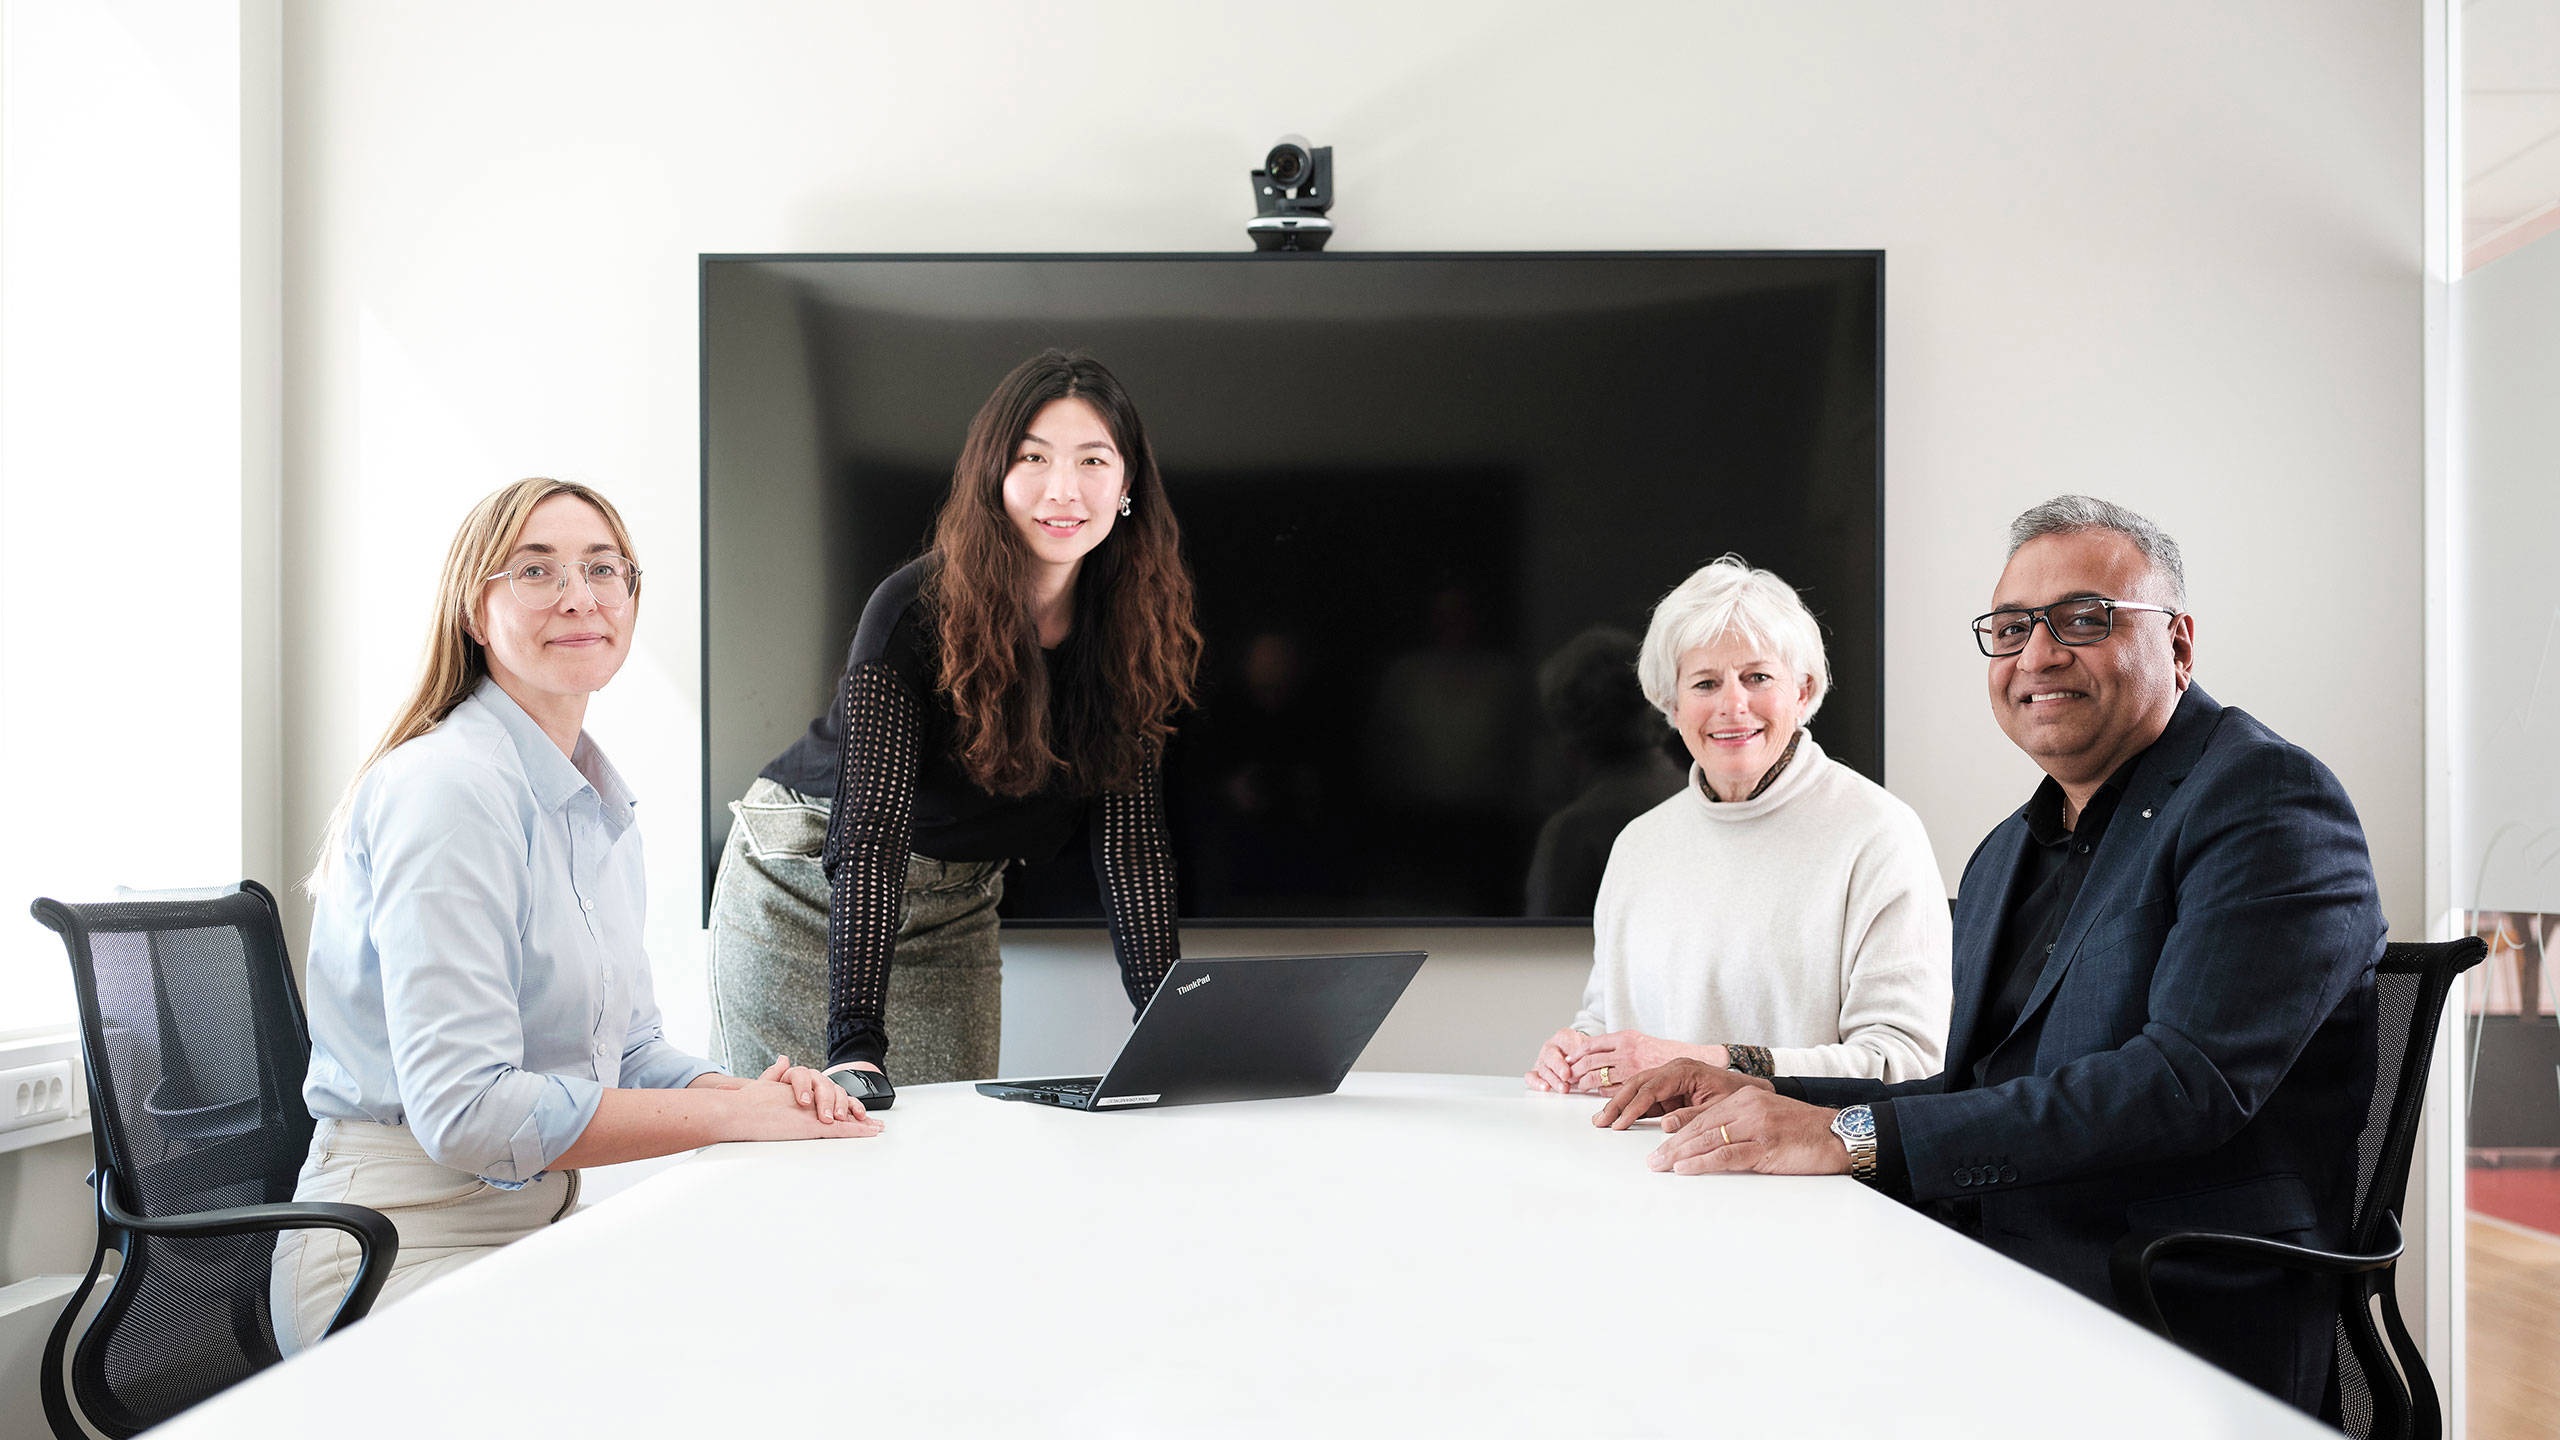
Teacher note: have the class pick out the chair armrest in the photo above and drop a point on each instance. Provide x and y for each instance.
(2129, 1268)
(377, 1239)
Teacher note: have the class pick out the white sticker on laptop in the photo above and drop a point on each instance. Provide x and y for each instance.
(1110, 1100)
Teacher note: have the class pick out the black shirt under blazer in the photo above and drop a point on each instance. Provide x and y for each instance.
(2198, 1052)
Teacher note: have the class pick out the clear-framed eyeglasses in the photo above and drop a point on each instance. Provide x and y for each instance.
(2084, 621)
(540, 582)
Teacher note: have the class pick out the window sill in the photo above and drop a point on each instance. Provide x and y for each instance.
(73, 1128)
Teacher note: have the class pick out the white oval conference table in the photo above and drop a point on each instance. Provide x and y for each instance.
(1419, 1255)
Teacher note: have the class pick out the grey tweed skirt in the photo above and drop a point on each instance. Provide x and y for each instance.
(768, 957)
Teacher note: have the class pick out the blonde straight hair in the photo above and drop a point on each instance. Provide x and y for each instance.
(454, 662)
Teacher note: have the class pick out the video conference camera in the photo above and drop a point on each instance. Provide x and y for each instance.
(1291, 192)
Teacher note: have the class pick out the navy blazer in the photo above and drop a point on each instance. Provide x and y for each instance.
(2198, 1052)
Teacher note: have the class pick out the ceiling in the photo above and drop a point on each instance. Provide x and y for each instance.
(2510, 124)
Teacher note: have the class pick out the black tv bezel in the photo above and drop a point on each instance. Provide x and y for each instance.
(702, 501)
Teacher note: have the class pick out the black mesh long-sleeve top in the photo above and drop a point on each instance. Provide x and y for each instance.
(884, 751)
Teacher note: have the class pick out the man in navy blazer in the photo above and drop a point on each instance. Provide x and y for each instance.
(2163, 978)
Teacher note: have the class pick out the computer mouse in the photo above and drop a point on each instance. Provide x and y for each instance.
(868, 1086)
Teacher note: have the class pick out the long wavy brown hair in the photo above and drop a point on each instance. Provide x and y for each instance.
(1137, 650)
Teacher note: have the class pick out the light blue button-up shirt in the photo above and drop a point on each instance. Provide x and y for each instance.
(476, 970)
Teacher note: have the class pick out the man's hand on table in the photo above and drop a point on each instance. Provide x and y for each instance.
(1751, 1128)
(1725, 1120)
(1680, 1084)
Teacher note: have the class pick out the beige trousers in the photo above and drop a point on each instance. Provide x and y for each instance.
(446, 1219)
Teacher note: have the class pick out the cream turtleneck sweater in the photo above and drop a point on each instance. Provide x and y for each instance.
(1811, 920)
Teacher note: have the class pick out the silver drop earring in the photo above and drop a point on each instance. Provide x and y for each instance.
(1124, 504)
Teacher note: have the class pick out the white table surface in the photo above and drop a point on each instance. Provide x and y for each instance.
(1419, 1255)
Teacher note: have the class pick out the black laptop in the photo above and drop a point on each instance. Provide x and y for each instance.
(1262, 1027)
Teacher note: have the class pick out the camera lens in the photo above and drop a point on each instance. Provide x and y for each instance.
(1286, 166)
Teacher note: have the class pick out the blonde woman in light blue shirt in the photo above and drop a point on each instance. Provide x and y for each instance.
(482, 1023)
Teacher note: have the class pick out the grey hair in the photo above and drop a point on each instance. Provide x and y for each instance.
(2073, 514)
(1728, 597)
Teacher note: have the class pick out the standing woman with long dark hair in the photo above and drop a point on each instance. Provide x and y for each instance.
(1016, 682)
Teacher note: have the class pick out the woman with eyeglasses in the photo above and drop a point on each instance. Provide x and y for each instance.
(1013, 685)
(482, 1024)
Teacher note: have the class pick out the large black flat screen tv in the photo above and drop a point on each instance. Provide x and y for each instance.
(1429, 501)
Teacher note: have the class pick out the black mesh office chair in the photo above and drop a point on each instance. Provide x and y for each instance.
(196, 1049)
(2377, 1398)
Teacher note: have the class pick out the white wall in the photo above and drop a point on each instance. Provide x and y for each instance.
(45, 1195)
(2163, 253)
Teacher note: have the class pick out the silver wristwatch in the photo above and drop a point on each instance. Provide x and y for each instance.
(1856, 1127)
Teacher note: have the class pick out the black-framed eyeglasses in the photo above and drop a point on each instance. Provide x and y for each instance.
(2084, 621)
(539, 584)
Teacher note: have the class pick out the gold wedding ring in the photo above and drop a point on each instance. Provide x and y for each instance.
(1726, 1132)
(1604, 1074)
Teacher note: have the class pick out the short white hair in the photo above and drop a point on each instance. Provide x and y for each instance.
(1726, 597)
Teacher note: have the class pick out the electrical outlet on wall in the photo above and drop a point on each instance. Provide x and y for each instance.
(35, 1094)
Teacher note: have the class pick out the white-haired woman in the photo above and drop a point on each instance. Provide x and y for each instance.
(482, 1023)
(1782, 914)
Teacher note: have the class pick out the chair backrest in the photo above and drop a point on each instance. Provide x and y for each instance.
(2409, 990)
(196, 1048)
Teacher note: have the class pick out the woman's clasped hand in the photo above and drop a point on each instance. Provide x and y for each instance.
(1573, 1063)
(794, 1102)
